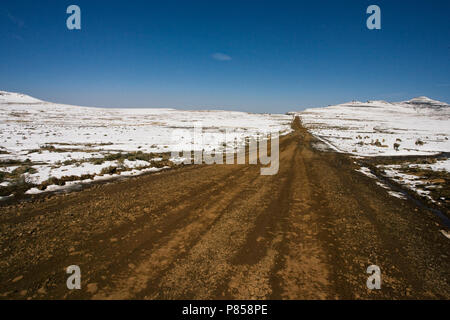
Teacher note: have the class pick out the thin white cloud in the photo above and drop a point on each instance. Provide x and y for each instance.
(221, 56)
(18, 22)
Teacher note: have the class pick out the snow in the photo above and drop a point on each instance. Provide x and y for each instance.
(9, 169)
(367, 172)
(445, 234)
(48, 134)
(2, 198)
(16, 98)
(412, 182)
(440, 165)
(397, 194)
(355, 127)
(420, 126)
(45, 171)
(25, 127)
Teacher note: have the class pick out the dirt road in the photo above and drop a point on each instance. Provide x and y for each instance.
(227, 232)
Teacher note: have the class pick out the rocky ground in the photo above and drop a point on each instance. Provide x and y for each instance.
(225, 231)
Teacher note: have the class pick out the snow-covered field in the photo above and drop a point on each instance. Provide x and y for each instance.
(419, 126)
(62, 140)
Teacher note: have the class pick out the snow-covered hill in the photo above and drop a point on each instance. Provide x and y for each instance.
(419, 126)
(55, 140)
(16, 98)
(425, 102)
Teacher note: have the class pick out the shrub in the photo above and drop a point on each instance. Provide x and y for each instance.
(162, 163)
(18, 186)
(109, 170)
(51, 181)
(24, 169)
(377, 143)
(98, 160)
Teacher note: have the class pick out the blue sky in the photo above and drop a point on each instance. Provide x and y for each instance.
(258, 56)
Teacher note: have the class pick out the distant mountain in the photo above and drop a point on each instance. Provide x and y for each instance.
(426, 102)
(17, 98)
(419, 103)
